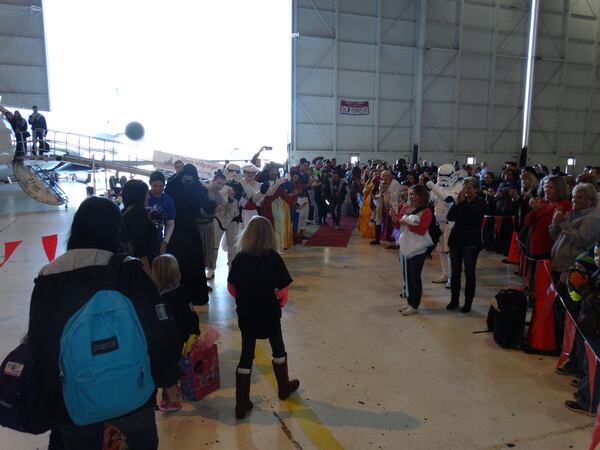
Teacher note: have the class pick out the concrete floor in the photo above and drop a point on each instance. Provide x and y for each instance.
(370, 378)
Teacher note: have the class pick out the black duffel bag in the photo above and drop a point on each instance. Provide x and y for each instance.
(506, 318)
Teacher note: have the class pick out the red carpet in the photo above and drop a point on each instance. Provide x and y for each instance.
(327, 236)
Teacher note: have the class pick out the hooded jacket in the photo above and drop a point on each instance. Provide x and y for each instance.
(62, 288)
(573, 236)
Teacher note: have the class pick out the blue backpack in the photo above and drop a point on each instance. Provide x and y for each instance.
(104, 362)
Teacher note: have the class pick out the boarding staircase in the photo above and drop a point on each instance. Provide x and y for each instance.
(35, 174)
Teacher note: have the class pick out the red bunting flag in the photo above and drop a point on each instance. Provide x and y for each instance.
(9, 248)
(568, 339)
(50, 243)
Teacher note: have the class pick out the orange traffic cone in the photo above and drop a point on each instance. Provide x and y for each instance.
(514, 252)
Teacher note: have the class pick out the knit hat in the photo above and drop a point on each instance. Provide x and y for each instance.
(157, 175)
(586, 260)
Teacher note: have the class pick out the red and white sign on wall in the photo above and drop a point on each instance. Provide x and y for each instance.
(354, 108)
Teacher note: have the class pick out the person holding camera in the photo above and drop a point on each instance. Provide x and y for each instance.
(465, 241)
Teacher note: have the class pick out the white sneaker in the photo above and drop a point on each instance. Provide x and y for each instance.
(403, 304)
(210, 274)
(409, 311)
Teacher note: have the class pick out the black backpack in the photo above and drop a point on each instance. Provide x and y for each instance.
(19, 395)
(506, 318)
(435, 232)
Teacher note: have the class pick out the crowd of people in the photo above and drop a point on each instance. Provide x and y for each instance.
(552, 215)
(154, 251)
(171, 232)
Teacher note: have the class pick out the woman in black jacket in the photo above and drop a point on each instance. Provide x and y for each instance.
(139, 236)
(61, 290)
(465, 241)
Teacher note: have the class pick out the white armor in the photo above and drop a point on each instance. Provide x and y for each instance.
(251, 194)
(444, 195)
(224, 219)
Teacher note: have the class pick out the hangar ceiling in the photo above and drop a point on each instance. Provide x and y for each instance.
(446, 75)
(23, 68)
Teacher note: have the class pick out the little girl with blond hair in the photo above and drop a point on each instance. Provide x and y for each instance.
(178, 302)
(259, 280)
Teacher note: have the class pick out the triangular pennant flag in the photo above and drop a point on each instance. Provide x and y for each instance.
(568, 339)
(50, 243)
(9, 248)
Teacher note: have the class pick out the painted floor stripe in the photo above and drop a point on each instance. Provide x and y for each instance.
(310, 423)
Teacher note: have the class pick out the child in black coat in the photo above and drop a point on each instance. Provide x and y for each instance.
(166, 276)
(259, 280)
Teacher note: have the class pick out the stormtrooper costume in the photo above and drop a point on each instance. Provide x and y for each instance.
(444, 195)
(251, 195)
(227, 221)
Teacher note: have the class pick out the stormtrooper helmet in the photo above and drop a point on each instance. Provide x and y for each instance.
(461, 174)
(446, 175)
(232, 172)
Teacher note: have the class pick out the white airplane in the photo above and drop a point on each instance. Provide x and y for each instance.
(37, 176)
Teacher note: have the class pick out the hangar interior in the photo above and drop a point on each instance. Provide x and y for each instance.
(448, 76)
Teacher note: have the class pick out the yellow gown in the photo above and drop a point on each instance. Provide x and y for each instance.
(365, 227)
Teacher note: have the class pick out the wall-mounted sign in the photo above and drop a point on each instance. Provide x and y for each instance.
(354, 108)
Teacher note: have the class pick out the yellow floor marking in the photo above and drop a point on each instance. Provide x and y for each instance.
(312, 426)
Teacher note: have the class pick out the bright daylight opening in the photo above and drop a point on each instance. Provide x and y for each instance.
(471, 160)
(206, 79)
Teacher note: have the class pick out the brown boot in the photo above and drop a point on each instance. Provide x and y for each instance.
(285, 386)
(242, 393)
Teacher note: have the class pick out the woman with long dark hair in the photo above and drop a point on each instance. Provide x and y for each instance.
(63, 289)
(414, 219)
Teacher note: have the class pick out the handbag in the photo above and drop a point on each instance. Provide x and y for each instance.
(200, 366)
(200, 373)
(412, 244)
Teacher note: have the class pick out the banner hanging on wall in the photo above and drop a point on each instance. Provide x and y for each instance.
(354, 108)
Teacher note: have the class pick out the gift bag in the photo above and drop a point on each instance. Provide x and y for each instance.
(200, 368)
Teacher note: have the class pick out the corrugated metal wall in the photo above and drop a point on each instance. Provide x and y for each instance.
(23, 68)
(467, 96)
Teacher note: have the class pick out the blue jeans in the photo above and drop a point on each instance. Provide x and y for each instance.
(139, 428)
(414, 267)
(249, 345)
(458, 256)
